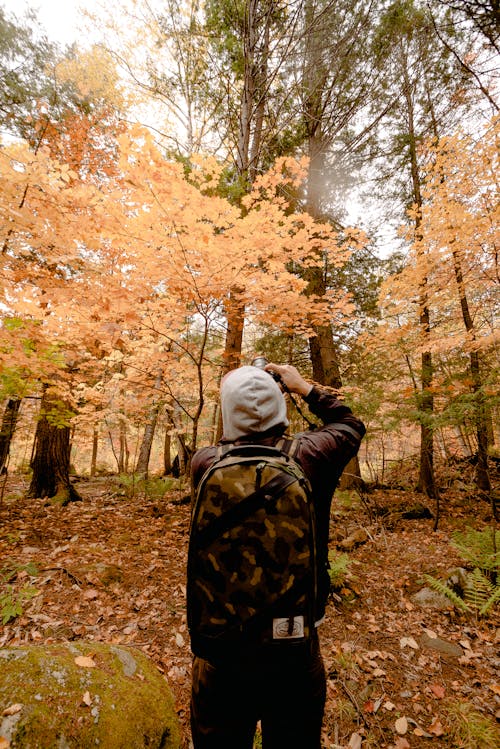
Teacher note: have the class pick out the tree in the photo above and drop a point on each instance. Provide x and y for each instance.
(482, 21)
(460, 214)
(149, 430)
(7, 429)
(455, 251)
(42, 200)
(25, 58)
(484, 15)
(50, 463)
(418, 69)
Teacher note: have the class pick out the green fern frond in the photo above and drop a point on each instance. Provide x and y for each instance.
(445, 590)
(338, 568)
(492, 601)
(480, 548)
(478, 589)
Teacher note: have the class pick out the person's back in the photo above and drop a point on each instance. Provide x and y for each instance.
(283, 688)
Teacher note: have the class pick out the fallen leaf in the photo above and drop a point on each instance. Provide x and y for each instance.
(378, 672)
(369, 707)
(495, 688)
(438, 690)
(430, 633)
(85, 661)
(408, 641)
(4, 744)
(87, 699)
(436, 728)
(389, 706)
(419, 731)
(13, 709)
(355, 741)
(401, 725)
(401, 743)
(179, 640)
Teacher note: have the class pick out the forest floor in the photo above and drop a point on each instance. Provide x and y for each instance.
(112, 569)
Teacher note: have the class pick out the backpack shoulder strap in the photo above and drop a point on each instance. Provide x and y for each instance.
(288, 446)
(340, 427)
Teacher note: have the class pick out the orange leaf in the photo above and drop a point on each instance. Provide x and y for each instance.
(438, 690)
(369, 706)
(85, 661)
(436, 728)
(401, 743)
(13, 709)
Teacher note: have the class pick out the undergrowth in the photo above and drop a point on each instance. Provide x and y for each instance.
(481, 590)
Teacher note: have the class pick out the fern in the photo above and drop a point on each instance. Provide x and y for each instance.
(338, 565)
(480, 548)
(492, 601)
(481, 591)
(445, 590)
(478, 590)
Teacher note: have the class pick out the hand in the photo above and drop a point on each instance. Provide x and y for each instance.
(291, 378)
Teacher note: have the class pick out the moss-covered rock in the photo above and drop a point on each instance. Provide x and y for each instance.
(84, 694)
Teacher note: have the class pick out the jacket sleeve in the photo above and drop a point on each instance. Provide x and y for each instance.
(332, 445)
(201, 460)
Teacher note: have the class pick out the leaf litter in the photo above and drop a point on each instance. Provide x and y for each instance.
(112, 569)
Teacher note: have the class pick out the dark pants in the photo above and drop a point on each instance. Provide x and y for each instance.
(286, 691)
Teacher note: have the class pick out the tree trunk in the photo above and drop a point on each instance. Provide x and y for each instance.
(9, 421)
(124, 454)
(235, 315)
(426, 481)
(146, 444)
(482, 473)
(95, 444)
(149, 432)
(254, 95)
(324, 357)
(50, 463)
(167, 455)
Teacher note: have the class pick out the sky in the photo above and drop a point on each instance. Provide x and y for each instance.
(58, 17)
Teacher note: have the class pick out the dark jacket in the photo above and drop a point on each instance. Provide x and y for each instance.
(322, 453)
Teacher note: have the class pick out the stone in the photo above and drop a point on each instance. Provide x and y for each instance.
(117, 700)
(441, 646)
(429, 598)
(358, 537)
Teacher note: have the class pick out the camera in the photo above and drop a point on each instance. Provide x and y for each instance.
(260, 362)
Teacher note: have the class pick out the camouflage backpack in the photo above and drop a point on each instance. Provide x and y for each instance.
(252, 557)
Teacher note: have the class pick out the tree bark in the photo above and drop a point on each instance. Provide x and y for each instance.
(51, 459)
(482, 473)
(95, 444)
(426, 481)
(9, 421)
(167, 456)
(149, 431)
(235, 316)
(124, 454)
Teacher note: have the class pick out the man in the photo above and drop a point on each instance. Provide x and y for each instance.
(285, 688)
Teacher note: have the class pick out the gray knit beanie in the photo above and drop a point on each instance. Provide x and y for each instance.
(251, 402)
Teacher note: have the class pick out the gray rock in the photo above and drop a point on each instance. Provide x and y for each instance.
(440, 646)
(428, 598)
(129, 704)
